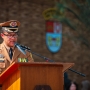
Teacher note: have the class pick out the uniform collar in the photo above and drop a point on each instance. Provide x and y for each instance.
(7, 47)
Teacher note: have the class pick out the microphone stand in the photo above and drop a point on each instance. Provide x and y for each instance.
(47, 59)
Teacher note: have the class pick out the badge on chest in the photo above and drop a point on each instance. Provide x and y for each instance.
(22, 60)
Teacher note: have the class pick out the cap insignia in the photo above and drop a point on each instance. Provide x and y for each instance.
(13, 24)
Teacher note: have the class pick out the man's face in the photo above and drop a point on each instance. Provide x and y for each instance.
(9, 38)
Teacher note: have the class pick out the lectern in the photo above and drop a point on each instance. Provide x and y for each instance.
(26, 76)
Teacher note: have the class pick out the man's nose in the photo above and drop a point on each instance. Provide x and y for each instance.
(12, 37)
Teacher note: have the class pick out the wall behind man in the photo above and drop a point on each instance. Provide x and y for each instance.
(33, 30)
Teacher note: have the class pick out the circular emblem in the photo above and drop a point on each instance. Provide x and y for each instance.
(13, 24)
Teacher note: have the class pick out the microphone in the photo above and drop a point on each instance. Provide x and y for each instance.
(25, 47)
(20, 48)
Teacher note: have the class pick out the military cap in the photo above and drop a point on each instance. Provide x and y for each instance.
(10, 26)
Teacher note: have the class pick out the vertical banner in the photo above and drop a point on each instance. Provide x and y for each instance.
(53, 36)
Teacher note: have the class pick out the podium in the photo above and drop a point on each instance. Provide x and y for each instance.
(26, 76)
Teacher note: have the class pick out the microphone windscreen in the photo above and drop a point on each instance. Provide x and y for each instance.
(20, 49)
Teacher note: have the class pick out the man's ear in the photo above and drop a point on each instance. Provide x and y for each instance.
(2, 35)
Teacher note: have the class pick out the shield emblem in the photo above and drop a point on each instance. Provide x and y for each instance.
(53, 36)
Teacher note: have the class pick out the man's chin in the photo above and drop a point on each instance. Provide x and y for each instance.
(11, 45)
